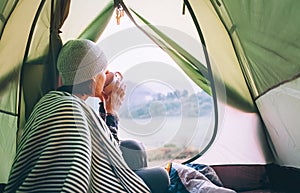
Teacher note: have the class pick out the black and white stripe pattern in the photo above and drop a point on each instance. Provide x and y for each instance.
(65, 147)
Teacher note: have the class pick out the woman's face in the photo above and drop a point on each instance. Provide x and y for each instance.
(100, 80)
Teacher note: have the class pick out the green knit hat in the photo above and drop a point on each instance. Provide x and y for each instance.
(79, 61)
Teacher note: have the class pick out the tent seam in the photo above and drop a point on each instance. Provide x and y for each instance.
(278, 85)
(8, 113)
(25, 57)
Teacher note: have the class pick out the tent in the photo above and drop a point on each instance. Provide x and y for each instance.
(246, 58)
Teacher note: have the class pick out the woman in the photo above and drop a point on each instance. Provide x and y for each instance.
(66, 146)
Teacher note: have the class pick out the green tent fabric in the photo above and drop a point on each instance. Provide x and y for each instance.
(28, 56)
(267, 48)
(251, 61)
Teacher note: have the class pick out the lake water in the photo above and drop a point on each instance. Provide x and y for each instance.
(168, 137)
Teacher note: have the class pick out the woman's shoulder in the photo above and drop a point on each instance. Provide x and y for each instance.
(55, 100)
(60, 96)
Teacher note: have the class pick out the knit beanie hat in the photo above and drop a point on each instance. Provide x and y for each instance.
(79, 61)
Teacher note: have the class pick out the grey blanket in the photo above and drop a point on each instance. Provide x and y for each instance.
(195, 179)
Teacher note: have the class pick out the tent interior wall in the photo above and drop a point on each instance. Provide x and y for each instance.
(246, 58)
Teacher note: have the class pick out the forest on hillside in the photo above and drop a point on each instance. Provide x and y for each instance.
(177, 103)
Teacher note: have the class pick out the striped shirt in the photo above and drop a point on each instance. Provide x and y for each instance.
(66, 147)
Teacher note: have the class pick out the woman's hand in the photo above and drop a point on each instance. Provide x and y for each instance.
(114, 101)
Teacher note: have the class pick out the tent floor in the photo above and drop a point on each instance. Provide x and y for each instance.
(269, 178)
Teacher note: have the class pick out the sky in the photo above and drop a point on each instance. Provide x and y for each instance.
(138, 60)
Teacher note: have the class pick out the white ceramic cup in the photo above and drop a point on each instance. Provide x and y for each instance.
(111, 79)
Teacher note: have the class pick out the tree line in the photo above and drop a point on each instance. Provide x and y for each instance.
(177, 103)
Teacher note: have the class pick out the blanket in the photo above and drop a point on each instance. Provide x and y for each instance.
(65, 147)
(195, 178)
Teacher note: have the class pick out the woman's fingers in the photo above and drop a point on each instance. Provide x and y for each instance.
(116, 98)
